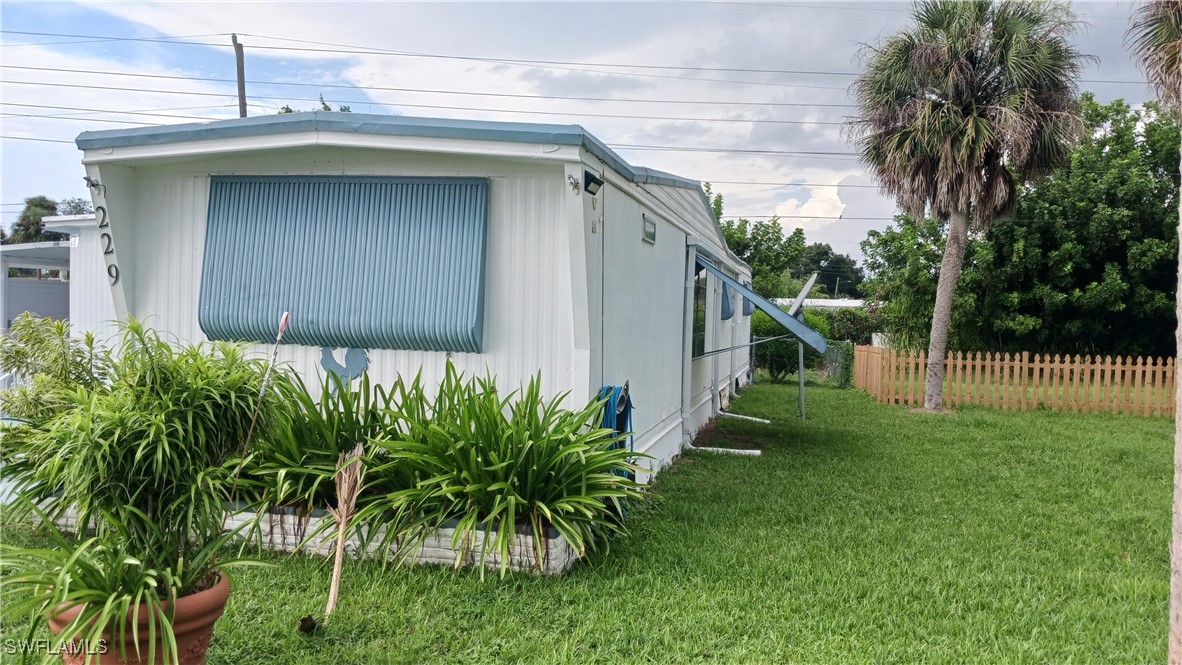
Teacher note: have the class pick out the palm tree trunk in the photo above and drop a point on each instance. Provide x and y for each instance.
(1175, 645)
(958, 234)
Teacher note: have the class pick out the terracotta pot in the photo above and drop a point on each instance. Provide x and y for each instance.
(192, 624)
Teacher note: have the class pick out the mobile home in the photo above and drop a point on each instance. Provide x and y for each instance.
(397, 243)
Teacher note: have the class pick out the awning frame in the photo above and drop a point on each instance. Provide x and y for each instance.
(802, 332)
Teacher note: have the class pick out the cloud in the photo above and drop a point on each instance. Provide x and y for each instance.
(806, 37)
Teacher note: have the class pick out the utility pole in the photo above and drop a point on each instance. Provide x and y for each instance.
(241, 58)
(835, 285)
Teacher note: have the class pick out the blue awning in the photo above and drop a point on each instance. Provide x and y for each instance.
(728, 307)
(802, 332)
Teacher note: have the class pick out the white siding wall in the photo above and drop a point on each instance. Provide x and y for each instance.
(42, 297)
(528, 318)
(91, 307)
(642, 301)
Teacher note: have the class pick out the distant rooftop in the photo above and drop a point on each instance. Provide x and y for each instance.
(824, 303)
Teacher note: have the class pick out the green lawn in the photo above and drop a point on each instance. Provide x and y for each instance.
(868, 534)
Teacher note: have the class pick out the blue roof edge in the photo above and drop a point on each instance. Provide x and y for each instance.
(389, 125)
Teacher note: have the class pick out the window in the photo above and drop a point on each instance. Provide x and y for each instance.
(649, 233)
(699, 347)
(374, 263)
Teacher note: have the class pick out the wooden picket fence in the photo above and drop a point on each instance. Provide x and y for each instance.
(1019, 382)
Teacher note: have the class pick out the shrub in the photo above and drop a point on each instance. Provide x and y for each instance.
(855, 325)
(41, 354)
(493, 464)
(295, 468)
(779, 357)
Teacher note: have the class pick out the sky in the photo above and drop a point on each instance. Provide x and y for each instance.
(651, 71)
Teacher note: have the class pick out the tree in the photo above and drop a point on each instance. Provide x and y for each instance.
(1085, 268)
(286, 108)
(715, 200)
(74, 206)
(1156, 38)
(902, 263)
(29, 227)
(955, 110)
(837, 274)
(763, 245)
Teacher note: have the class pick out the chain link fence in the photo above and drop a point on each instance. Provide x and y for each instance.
(839, 363)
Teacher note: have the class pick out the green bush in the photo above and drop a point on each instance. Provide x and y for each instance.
(855, 325)
(779, 357)
(295, 468)
(488, 464)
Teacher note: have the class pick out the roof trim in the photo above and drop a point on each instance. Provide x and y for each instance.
(16, 248)
(387, 125)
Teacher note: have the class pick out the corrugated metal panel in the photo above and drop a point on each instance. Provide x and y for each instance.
(390, 263)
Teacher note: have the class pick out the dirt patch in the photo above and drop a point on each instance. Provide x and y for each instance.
(711, 437)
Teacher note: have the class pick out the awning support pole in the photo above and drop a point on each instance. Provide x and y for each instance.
(800, 374)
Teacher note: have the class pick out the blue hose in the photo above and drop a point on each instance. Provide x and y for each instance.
(617, 412)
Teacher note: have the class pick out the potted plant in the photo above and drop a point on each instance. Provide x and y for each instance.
(145, 463)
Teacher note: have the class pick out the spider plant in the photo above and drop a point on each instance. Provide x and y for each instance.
(495, 464)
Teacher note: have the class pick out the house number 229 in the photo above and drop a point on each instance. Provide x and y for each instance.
(108, 244)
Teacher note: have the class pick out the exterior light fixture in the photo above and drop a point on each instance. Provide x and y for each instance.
(591, 183)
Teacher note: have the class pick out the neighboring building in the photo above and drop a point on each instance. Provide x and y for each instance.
(42, 295)
(833, 303)
(824, 303)
(397, 243)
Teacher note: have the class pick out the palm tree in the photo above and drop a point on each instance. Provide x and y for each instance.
(1156, 39)
(29, 227)
(956, 110)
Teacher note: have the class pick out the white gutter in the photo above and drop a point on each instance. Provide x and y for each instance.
(687, 342)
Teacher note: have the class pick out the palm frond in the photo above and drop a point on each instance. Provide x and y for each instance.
(1155, 37)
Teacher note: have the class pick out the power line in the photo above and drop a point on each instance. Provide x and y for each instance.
(147, 112)
(621, 146)
(102, 39)
(348, 49)
(29, 138)
(785, 184)
(833, 217)
(752, 151)
(434, 92)
(119, 88)
(522, 61)
(501, 61)
(580, 114)
(115, 122)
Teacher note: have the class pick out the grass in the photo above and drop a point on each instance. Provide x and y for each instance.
(867, 534)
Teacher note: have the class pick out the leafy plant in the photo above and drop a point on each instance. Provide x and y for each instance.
(494, 464)
(779, 357)
(296, 466)
(148, 462)
(111, 584)
(41, 354)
